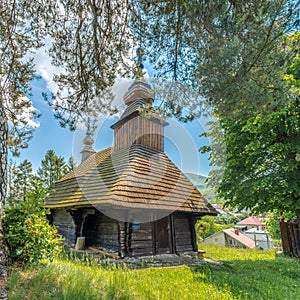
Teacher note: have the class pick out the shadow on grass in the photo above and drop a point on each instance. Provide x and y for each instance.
(254, 279)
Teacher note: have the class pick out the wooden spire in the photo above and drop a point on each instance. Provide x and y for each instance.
(88, 141)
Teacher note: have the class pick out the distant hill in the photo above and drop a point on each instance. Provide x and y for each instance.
(199, 182)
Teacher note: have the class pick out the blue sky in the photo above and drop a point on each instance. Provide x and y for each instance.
(182, 141)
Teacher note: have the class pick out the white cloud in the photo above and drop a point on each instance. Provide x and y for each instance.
(44, 66)
(25, 116)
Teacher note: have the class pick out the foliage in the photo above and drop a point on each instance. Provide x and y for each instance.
(52, 169)
(231, 219)
(273, 225)
(261, 167)
(208, 226)
(273, 219)
(246, 274)
(27, 230)
(71, 164)
(91, 42)
(18, 38)
(20, 179)
(261, 170)
(233, 53)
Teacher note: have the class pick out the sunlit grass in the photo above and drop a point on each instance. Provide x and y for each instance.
(245, 274)
(230, 253)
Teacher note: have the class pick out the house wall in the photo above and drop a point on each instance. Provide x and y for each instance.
(136, 239)
(142, 239)
(101, 231)
(231, 242)
(257, 227)
(64, 222)
(262, 240)
(184, 240)
(129, 239)
(216, 239)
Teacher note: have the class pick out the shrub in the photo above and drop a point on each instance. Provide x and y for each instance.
(28, 232)
(207, 226)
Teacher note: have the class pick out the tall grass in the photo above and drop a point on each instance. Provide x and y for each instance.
(244, 275)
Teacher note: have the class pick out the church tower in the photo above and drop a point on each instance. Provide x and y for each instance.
(135, 128)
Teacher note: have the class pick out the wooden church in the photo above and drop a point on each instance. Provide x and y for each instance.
(130, 198)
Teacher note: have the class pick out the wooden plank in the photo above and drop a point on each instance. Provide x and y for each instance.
(192, 223)
(141, 244)
(186, 248)
(173, 235)
(183, 241)
(104, 253)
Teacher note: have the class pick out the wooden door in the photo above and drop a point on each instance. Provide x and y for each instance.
(162, 236)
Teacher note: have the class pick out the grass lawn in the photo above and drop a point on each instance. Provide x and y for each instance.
(245, 274)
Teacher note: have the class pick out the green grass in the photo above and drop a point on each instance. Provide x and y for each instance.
(255, 274)
(245, 274)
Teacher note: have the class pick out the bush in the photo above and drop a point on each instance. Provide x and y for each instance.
(206, 226)
(28, 232)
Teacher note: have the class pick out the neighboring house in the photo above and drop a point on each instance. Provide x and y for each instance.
(230, 237)
(261, 238)
(252, 222)
(130, 198)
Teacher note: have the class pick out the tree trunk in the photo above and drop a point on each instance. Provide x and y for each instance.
(4, 249)
(298, 216)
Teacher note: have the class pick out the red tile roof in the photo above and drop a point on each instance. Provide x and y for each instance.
(256, 221)
(243, 239)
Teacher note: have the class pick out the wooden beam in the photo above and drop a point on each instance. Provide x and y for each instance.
(104, 253)
(173, 241)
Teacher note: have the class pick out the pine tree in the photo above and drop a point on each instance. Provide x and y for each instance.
(71, 164)
(20, 179)
(52, 168)
(232, 53)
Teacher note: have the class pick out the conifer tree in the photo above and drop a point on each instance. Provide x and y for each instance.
(52, 168)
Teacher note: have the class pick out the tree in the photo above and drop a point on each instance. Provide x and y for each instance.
(22, 181)
(71, 164)
(233, 53)
(91, 43)
(262, 169)
(18, 37)
(207, 226)
(52, 169)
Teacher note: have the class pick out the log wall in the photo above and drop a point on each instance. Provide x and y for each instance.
(128, 239)
(141, 239)
(64, 222)
(184, 240)
(101, 231)
(139, 130)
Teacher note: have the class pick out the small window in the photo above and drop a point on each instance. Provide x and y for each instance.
(136, 226)
(216, 240)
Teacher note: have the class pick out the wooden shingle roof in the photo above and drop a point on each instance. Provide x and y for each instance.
(137, 177)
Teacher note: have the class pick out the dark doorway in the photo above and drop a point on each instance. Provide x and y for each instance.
(89, 229)
(162, 236)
